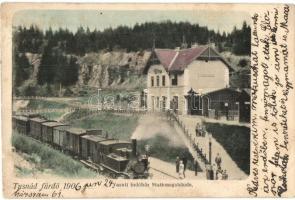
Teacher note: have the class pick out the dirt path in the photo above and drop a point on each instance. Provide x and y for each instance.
(61, 118)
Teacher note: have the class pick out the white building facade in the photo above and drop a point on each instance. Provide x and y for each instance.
(172, 73)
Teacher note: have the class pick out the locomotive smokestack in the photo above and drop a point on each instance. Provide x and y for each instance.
(134, 144)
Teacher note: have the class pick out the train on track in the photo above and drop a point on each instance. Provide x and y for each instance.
(117, 158)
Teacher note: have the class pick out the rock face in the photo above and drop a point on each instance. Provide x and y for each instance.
(106, 69)
(103, 69)
(34, 60)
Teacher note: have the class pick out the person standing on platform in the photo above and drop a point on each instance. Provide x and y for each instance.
(181, 170)
(196, 165)
(224, 175)
(177, 162)
(218, 161)
(219, 174)
(214, 168)
(203, 131)
(184, 165)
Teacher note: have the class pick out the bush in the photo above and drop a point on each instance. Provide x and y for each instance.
(24, 172)
(243, 62)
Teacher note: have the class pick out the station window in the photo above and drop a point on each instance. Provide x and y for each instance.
(175, 103)
(158, 102)
(152, 81)
(174, 79)
(163, 80)
(158, 81)
(164, 102)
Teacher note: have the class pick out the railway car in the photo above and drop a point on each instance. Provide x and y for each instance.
(108, 156)
(73, 138)
(90, 147)
(59, 137)
(36, 127)
(21, 124)
(47, 131)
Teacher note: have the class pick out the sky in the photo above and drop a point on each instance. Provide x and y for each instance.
(72, 19)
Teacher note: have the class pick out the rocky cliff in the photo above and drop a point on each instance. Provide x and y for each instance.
(117, 69)
(112, 69)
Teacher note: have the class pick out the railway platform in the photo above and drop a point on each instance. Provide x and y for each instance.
(164, 170)
(234, 172)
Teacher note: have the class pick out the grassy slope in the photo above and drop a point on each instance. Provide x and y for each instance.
(46, 157)
(44, 104)
(117, 126)
(235, 140)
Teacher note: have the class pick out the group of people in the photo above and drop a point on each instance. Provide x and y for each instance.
(181, 166)
(218, 172)
(200, 130)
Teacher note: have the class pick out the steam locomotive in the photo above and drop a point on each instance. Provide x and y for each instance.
(116, 157)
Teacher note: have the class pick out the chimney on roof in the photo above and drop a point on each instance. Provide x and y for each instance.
(183, 44)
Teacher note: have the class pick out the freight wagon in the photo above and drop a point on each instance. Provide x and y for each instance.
(36, 127)
(73, 137)
(90, 147)
(47, 131)
(21, 124)
(59, 136)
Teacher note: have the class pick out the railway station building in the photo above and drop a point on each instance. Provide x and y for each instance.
(192, 81)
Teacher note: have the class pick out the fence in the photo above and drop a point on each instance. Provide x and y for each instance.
(202, 155)
(28, 97)
(47, 110)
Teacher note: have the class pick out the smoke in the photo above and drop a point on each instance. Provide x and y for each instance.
(151, 126)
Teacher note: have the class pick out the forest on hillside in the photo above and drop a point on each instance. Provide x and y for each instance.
(60, 49)
(166, 35)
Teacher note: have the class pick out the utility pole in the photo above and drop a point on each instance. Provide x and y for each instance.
(210, 148)
(209, 44)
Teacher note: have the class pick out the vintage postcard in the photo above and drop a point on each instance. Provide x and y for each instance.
(147, 100)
